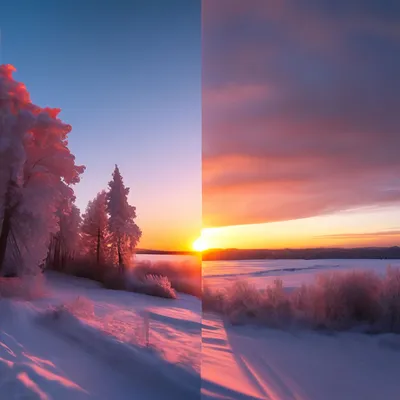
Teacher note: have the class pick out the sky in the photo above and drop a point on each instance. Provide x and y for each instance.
(301, 123)
(127, 76)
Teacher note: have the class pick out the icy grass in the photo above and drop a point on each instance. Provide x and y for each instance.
(353, 300)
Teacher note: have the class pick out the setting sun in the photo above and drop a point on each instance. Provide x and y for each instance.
(200, 244)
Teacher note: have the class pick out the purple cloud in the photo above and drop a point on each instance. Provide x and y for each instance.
(300, 108)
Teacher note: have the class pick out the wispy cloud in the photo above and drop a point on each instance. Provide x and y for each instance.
(364, 235)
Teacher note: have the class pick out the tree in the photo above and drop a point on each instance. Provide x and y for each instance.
(37, 171)
(65, 244)
(124, 233)
(95, 229)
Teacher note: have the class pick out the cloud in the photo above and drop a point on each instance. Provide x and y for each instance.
(365, 235)
(300, 108)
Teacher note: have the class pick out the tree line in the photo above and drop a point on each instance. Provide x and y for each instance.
(40, 225)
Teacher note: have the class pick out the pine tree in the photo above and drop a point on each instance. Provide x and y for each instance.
(124, 233)
(95, 229)
(65, 244)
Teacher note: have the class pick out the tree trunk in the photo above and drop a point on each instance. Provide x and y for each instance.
(5, 231)
(98, 246)
(57, 253)
(120, 260)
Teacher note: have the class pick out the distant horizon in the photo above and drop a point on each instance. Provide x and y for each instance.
(325, 253)
(150, 250)
(295, 248)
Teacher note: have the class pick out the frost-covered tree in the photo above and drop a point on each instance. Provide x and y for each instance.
(37, 170)
(124, 233)
(65, 244)
(95, 229)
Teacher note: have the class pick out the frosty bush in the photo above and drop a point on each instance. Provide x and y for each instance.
(243, 302)
(185, 277)
(213, 300)
(152, 285)
(390, 301)
(342, 300)
(359, 300)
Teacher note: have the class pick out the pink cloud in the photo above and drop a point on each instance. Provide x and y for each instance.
(300, 109)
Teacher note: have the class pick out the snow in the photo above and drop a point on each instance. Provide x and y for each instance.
(255, 363)
(292, 272)
(82, 341)
(248, 362)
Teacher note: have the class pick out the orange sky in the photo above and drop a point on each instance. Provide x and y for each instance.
(357, 228)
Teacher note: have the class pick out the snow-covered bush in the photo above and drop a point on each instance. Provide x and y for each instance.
(342, 300)
(243, 302)
(355, 299)
(185, 277)
(152, 285)
(390, 301)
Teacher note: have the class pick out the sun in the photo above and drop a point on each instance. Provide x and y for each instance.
(200, 245)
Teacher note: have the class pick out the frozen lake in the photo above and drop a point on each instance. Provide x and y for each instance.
(292, 272)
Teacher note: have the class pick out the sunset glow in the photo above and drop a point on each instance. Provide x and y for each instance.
(357, 228)
(200, 244)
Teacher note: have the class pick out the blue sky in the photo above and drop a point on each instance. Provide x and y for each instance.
(126, 75)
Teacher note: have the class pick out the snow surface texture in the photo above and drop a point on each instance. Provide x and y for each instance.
(259, 363)
(85, 342)
(248, 362)
(293, 273)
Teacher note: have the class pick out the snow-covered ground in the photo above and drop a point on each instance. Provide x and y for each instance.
(85, 342)
(246, 362)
